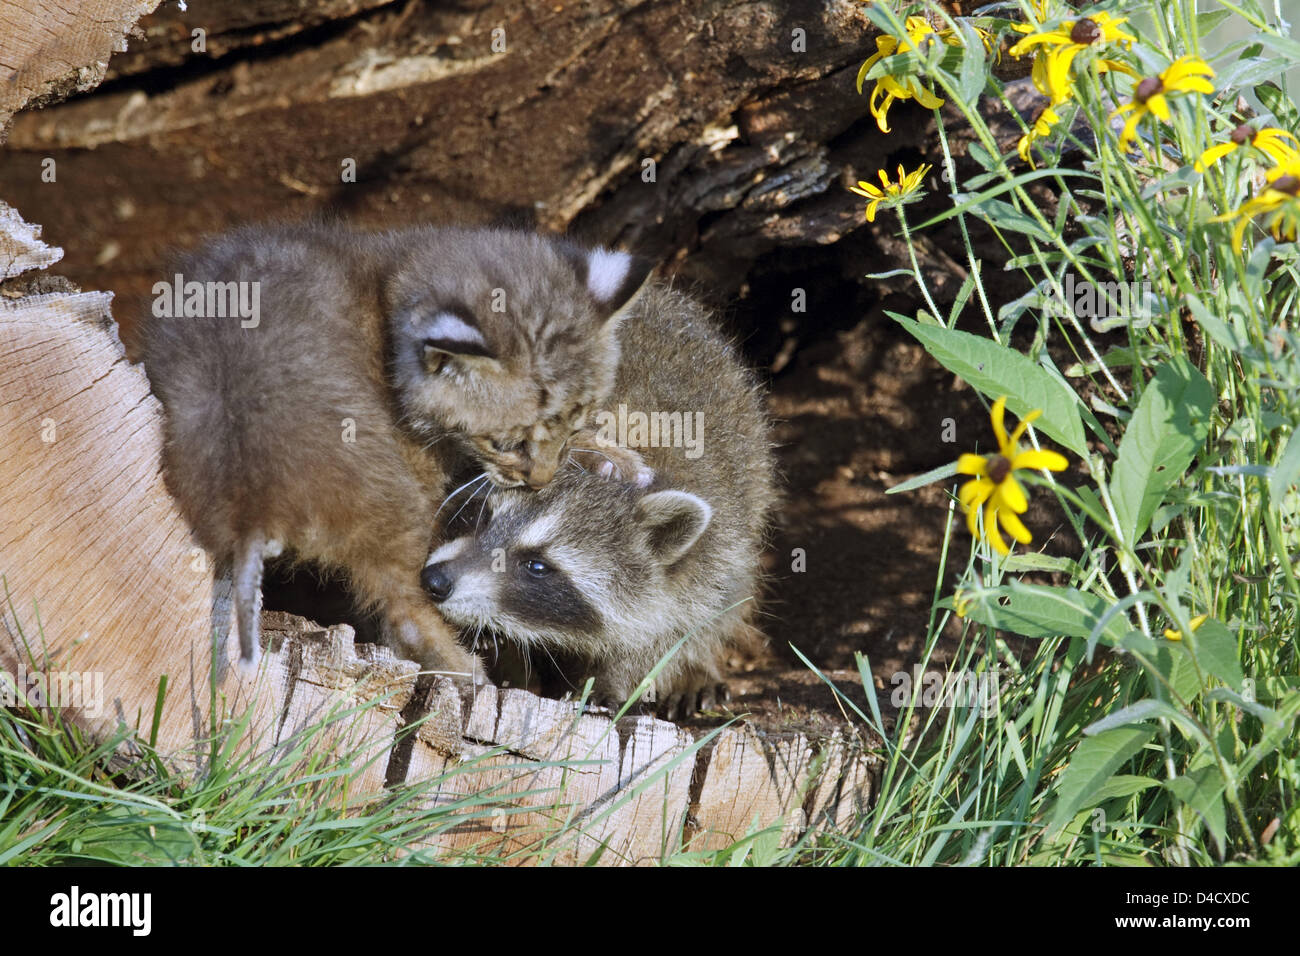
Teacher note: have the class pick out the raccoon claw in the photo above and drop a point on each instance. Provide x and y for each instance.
(696, 701)
(641, 477)
(612, 462)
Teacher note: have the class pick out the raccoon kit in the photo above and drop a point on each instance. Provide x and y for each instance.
(615, 573)
(327, 423)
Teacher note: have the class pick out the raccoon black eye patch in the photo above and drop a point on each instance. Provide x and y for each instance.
(536, 568)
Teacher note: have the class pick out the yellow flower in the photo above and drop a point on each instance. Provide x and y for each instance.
(994, 487)
(1043, 125)
(1054, 50)
(1280, 198)
(1270, 141)
(891, 193)
(961, 602)
(891, 87)
(1194, 622)
(1187, 74)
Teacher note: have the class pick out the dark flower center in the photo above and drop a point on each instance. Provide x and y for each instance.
(1085, 31)
(999, 468)
(1243, 134)
(1148, 88)
(1287, 184)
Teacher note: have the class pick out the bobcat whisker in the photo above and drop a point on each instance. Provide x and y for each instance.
(453, 494)
(473, 494)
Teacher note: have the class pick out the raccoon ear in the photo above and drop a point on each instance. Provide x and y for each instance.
(452, 331)
(612, 278)
(674, 520)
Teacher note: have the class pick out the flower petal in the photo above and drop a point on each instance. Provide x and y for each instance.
(996, 416)
(1213, 155)
(927, 98)
(974, 493)
(972, 514)
(969, 464)
(1036, 460)
(1272, 142)
(1020, 429)
(991, 531)
(1183, 69)
(880, 110)
(1058, 72)
(1015, 527)
(1012, 495)
(1129, 133)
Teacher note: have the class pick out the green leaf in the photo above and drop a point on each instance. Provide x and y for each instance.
(1279, 104)
(997, 370)
(1216, 651)
(969, 202)
(1034, 561)
(1092, 766)
(962, 297)
(1123, 785)
(1202, 790)
(1140, 712)
(1214, 326)
(1168, 428)
(974, 67)
(931, 476)
(1171, 661)
(1034, 610)
(1003, 215)
(1286, 471)
(1206, 22)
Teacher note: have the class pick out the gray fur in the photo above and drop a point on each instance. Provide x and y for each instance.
(652, 564)
(256, 417)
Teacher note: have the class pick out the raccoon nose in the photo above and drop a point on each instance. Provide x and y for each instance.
(436, 581)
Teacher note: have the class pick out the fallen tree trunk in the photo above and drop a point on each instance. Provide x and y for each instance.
(717, 136)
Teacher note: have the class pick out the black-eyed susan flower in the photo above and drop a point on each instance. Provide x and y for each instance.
(1194, 623)
(1269, 140)
(993, 486)
(1279, 201)
(892, 87)
(1055, 50)
(892, 194)
(1042, 126)
(905, 86)
(1187, 74)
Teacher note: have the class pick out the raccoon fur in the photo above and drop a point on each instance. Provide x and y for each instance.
(328, 424)
(614, 572)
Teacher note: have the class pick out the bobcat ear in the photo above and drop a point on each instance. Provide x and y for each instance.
(612, 278)
(449, 331)
(675, 520)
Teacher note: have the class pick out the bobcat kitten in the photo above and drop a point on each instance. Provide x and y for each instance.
(328, 423)
(615, 573)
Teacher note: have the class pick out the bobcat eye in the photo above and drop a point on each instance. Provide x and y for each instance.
(537, 569)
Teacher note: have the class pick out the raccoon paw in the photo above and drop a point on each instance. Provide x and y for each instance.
(616, 464)
(695, 700)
